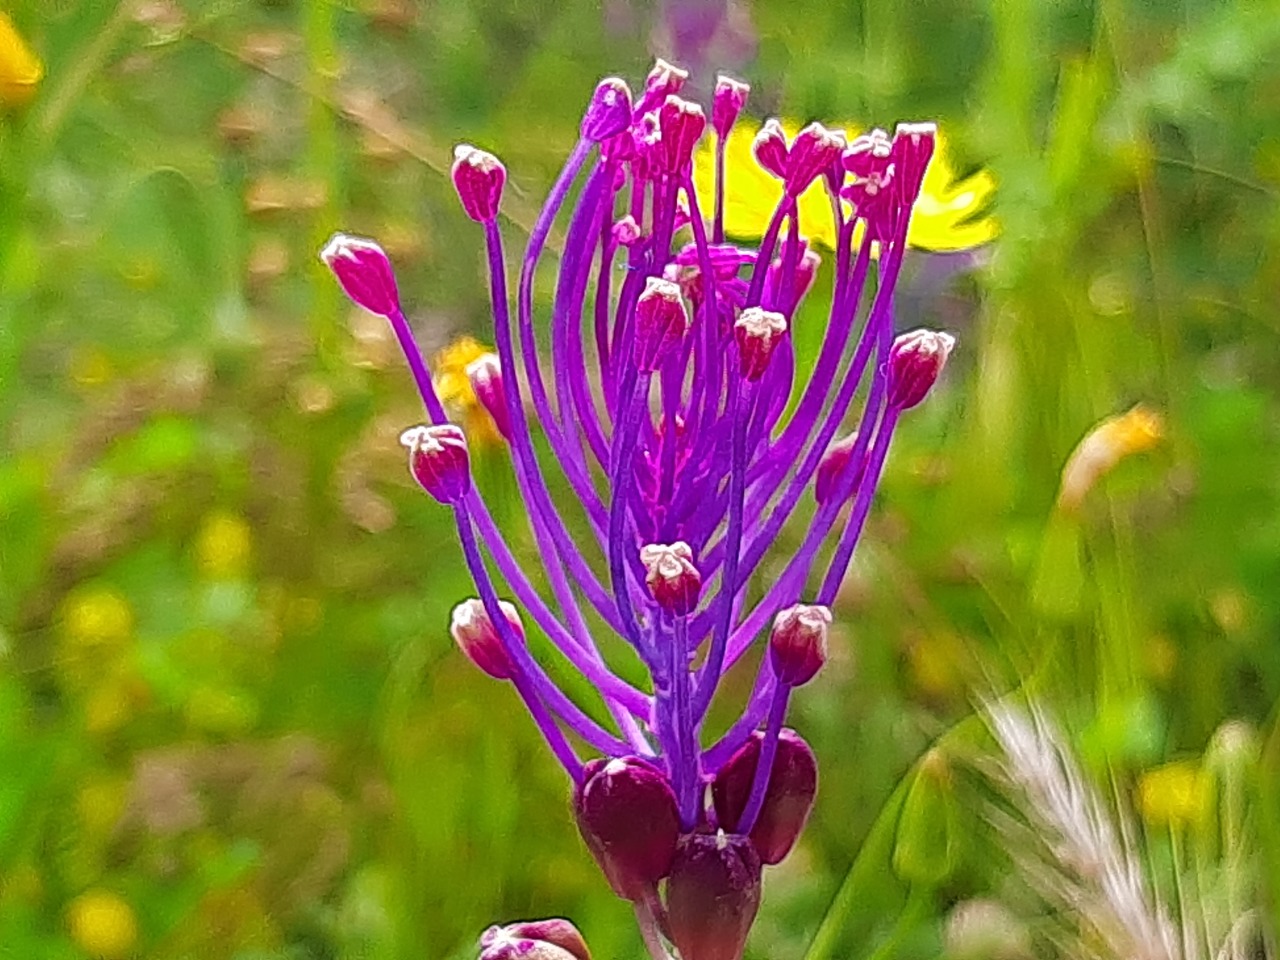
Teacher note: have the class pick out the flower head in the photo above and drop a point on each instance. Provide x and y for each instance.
(20, 69)
(949, 214)
(670, 410)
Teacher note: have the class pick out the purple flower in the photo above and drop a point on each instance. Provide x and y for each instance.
(667, 394)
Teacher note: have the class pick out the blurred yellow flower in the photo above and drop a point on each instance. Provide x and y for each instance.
(948, 216)
(96, 617)
(456, 393)
(1175, 795)
(223, 545)
(102, 924)
(20, 68)
(1106, 445)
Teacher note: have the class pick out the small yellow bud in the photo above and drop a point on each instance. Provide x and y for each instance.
(102, 924)
(1103, 447)
(223, 545)
(1175, 795)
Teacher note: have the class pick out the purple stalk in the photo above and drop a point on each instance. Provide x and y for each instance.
(764, 766)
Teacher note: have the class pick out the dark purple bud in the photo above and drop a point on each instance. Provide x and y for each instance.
(813, 151)
(626, 231)
(713, 895)
(609, 112)
(770, 149)
(663, 81)
(726, 103)
(661, 322)
(783, 288)
(627, 815)
(438, 460)
(478, 177)
(915, 361)
(913, 145)
(793, 783)
(558, 933)
(758, 333)
(485, 374)
(680, 125)
(364, 272)
(798, 643)
(673, 581)
(833, 465)
(477, 637)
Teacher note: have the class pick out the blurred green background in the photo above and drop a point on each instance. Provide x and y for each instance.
(232, 722)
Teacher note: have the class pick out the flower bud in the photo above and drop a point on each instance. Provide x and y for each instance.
(925, 844)
(626, 813)
(915, 360)
(364, 272)
(485, 374)
(833, 465)
(557, 933)
(626, 231)
(477, 637)
(438, 460)
(784, 288)
(680, 125)
(726, 103)
(672, 579)
(479, 177)
(813, 151)
(713, 895)
(663, 81)
(798, 643)
(770, 149)
(758, 332)
(793, 783)
(609, 112)
(661, 322)
(913, 145)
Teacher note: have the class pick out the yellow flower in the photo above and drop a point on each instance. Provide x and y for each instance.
(20, 68)
(948, 215)
(456, 393)
(102, 924)
(1106, 445)
(223, 545)
(1175, 795)
(97, 617)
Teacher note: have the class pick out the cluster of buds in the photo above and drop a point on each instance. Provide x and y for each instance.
(671, 368)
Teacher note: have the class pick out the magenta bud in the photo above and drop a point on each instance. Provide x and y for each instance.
(868, 154)
(833, 465)
(507, 942)
(626, 813)
(479, 177)
(661, 322)
(609, 112)
(713, 894)
(680, 126)
(673, 581)
(758, 333)
(626, 232)
(793, 783)
(646, 147)
(813, 151)
(798, 642)
(915, 361)
(770, 149)
(438, 460)
(663, 81)
(726, 103)
(913, 145)
(364, 272)
(477, 637)
(485, 374)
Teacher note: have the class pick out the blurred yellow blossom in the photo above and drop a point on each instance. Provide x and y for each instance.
(1106, 445)
(96, 617)
(20, 68)
(102, 924)
(223, 545)
(948, 216)
(453, 385)
(1175, 795)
